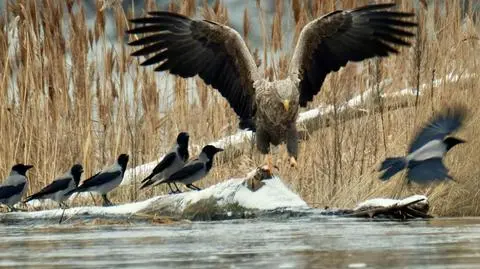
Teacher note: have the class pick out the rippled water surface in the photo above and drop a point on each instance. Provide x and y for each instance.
(308, 242)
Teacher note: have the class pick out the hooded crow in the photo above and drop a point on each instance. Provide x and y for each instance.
(173, 161)
(106, 180)
(195, 169)
(425, 156)
(12, 190)
(59, 187)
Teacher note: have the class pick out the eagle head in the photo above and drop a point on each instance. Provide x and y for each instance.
(286, 94)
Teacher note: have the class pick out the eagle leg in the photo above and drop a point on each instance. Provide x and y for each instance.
(263, 145)
(292, 144)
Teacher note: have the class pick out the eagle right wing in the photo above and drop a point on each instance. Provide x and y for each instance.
(186, 47)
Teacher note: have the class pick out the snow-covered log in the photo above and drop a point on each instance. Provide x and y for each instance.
(233, 198)
(412, 207)
(256, 195)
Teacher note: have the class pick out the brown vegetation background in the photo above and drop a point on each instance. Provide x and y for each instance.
(68, 94)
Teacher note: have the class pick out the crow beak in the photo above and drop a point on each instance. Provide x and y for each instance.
(28, 166)
(219, 150)
(286, 104)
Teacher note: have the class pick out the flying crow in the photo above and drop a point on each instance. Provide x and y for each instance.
(425, 156)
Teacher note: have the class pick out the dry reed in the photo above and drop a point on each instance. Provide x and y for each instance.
(70, 93)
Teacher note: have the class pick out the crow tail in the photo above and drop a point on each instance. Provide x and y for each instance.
(247, 124)
(146, 183)
(392, 166)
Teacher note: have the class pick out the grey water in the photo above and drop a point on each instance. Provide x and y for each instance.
(304, 242)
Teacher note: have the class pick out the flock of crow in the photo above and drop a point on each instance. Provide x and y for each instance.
(217, 54)
(173, 168)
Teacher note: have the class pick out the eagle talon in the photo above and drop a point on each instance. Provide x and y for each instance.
(268, 166)
(293, 162)
(264, 169)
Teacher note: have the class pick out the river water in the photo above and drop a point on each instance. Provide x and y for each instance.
(312, 241)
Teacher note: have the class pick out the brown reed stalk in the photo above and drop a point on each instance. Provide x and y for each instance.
(59, 105)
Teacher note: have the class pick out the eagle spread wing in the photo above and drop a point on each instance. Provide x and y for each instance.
(329, 42)
(187, 47)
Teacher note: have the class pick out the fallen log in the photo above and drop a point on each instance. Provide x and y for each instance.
(412, 207)
(258, 195)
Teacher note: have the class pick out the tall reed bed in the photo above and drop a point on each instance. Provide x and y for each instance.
(70, 93)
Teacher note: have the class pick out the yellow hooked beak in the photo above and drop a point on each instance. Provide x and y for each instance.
(286, 104)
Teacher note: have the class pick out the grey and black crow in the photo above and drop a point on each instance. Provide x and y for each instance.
(217, 53)
(195, 169)
(11, 191)
(173, 161)
(59, 187)
(425, 156)
(106, 180)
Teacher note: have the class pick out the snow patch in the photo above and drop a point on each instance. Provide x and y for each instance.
(273, 195)
(387, 202)
(125, 209)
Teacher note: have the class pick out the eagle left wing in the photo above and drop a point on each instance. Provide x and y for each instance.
(329, 42)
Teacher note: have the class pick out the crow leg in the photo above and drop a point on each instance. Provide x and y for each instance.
(198, 189)
(192, 187)
(171, 189)
(176, 187)
(63, 213)
(106, 202)
(292, 145)
(63, 205)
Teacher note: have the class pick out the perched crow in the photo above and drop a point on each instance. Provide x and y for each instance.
(173, 161)
(59, 187)
(11, 191)
(195, 169)
(106, 180)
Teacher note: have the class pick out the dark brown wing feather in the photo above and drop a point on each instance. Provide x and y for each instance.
(188, 47)
(329, 42)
